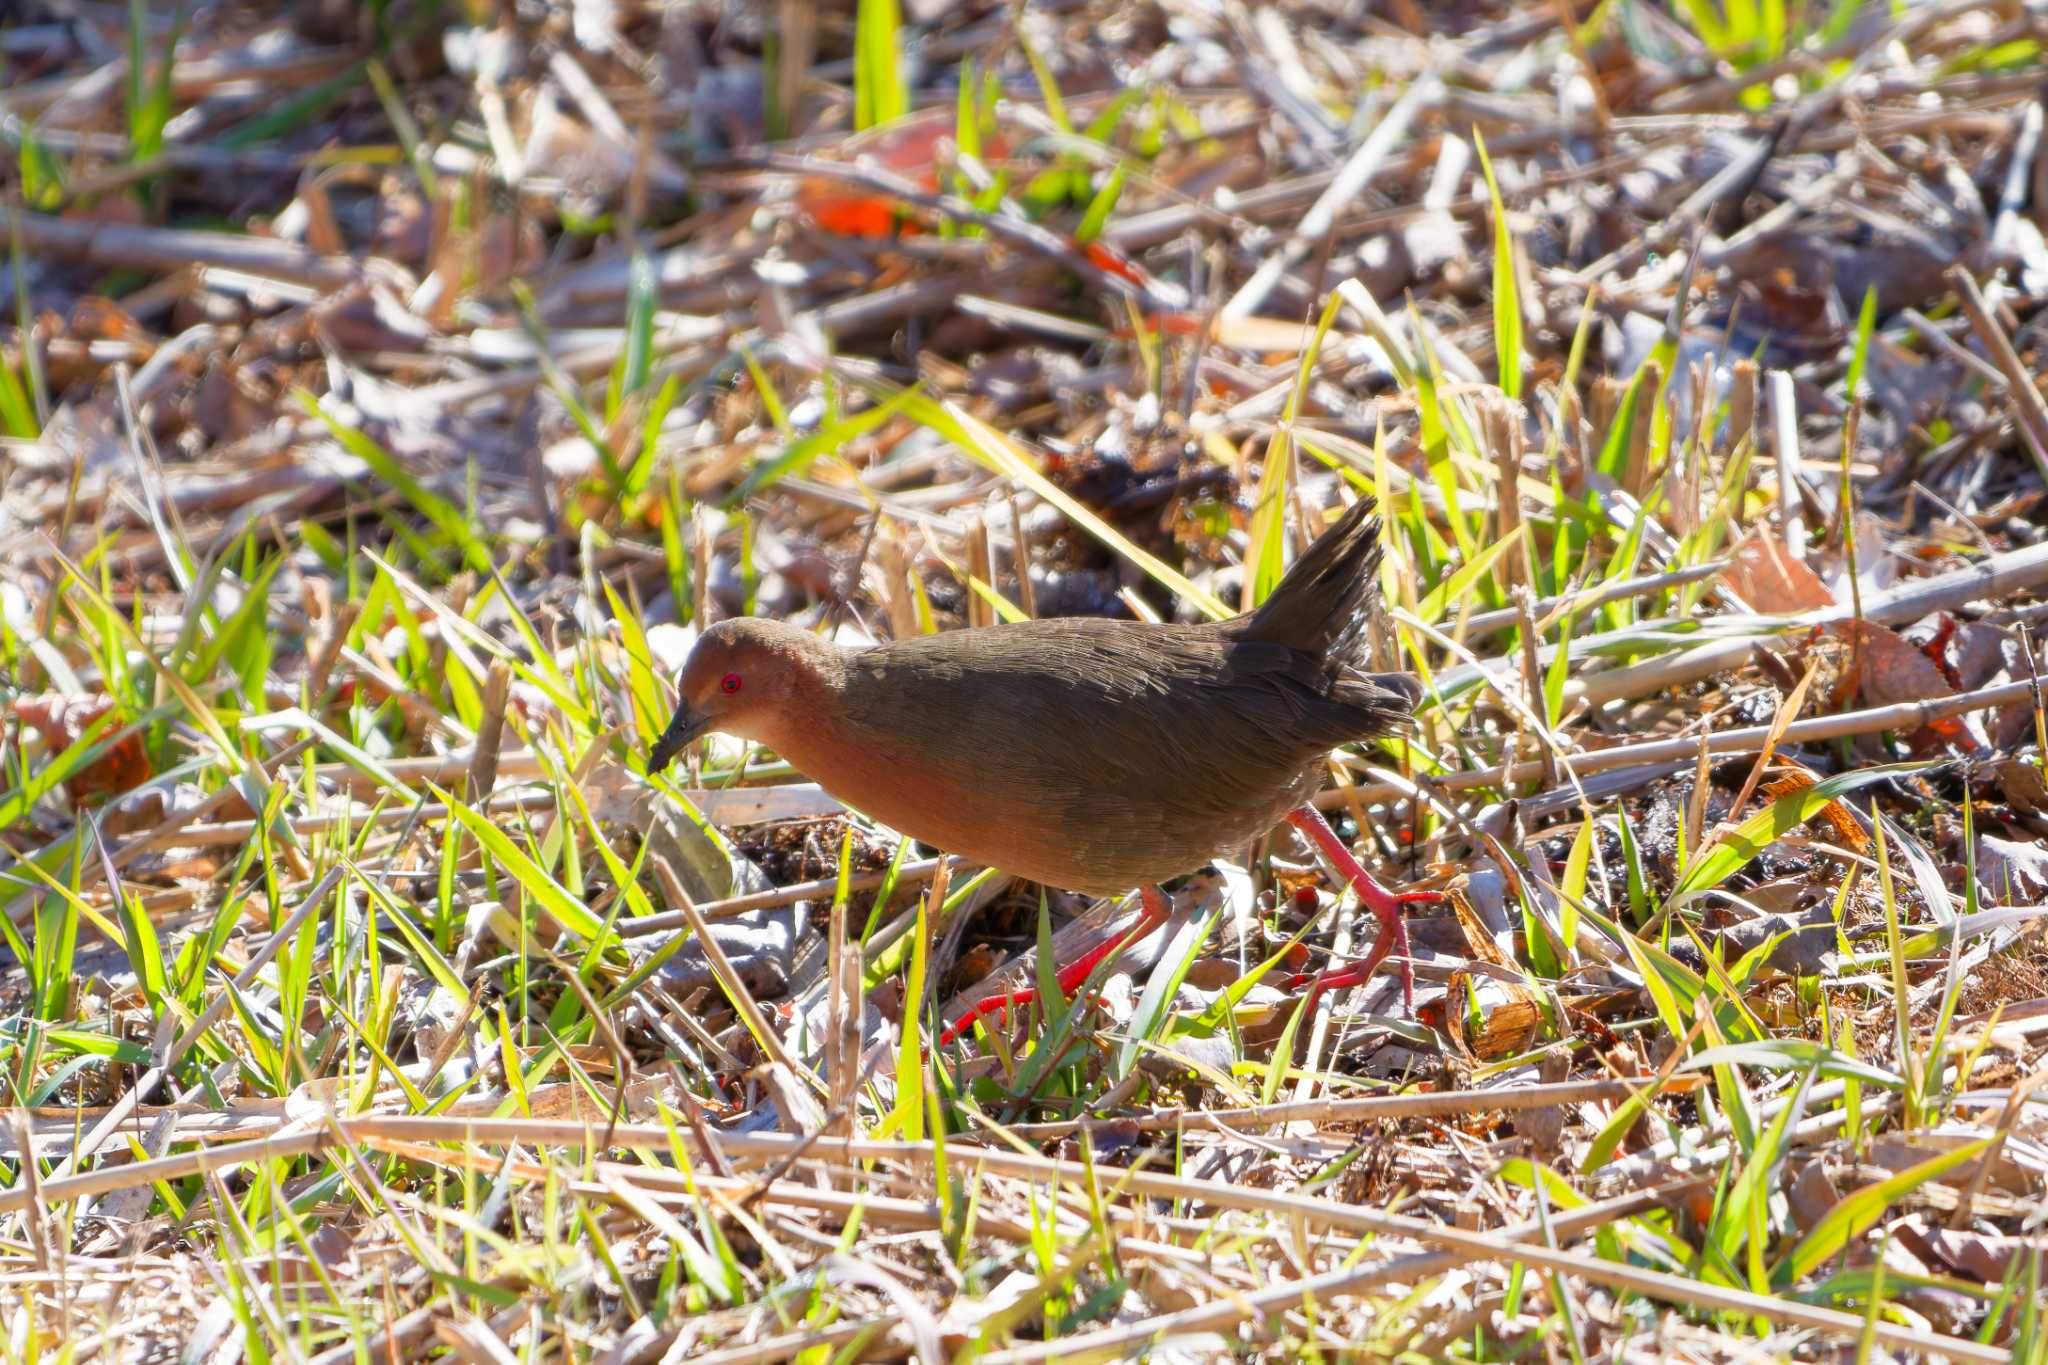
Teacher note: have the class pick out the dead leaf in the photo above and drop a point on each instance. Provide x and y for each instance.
(1802, 945)
(909, 148)
(1981, 1256)
(1544, 1127)
(2012, 871)
(1509, 1020)
(98, 318)
(1979, 652)
(1812, 1193)
(2017, 1170)
(1766, 576)
(60, 720)
(1891, 670)
(1478, 942)
(147, 809)
(2023, 784)
(1845, 825)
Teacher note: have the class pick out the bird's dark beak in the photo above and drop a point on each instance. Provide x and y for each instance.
(686, 726)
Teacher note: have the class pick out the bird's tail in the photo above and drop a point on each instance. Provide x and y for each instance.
(1325, 598)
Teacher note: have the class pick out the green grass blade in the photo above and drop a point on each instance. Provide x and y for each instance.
(879, 94)
(1854, 1214)
(1728, 855)
(547, 894)
(1507, 303)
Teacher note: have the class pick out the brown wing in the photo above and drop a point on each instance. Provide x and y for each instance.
(1126, 752)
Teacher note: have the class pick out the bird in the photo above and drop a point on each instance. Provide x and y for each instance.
(1088, 754)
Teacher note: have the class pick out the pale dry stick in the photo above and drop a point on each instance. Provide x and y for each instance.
(597, 110)
(909, 874)
(364, 1130)
(741, 999)
(321, 667)
(790, 1344)
(241, 831)
(352, 1133)
(1785, 448)
(981, 564)
(1279, 200)
(898, 1212)
(1487, 1246)
(478, 1340)
(490, 735)
(1530, 638)
(843, 1015)
(2029, 411)
(163, 520)
(1020, 555)
(736, 806)
(113, 245)
(1548, 609)
(1123, 1341)
(667, 1184)
(456, 1036)
(853, 1154)
(145, 1085)
(1930, 332)
(797, 24)
(402, 1334)
(1501, 418)
(191, 78)
(1742, 406)
(1344, 187)
(1788, 711)
(1997, 576)
(1904, 716)
(1364, 1110)
(2013, 192)
(674, 345)
(50, 1127)
(1696, 800)
(900, 508)
(514, 765)
(2015, 1101)
(1659, 752)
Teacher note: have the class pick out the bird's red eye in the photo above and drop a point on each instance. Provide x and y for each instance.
(729, 683)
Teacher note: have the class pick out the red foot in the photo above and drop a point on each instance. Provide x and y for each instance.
(1074, 973)
(1384, 904)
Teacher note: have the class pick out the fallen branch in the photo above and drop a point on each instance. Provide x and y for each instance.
(851, 1154)
(1905, 716)
(113, 246)
(1428, 1104)
(1987, 578)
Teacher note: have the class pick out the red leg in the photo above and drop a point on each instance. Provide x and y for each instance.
(1071, 976)
(1384, 904)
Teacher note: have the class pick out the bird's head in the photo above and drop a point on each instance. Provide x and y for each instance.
(743, 678)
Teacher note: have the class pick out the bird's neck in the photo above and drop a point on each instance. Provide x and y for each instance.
(823, 730)
(808, 724)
